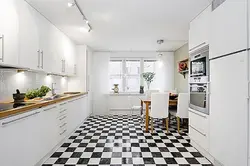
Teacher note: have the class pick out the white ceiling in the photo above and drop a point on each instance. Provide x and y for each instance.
(125, 25)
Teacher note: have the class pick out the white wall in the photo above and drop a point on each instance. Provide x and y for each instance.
(10, 80)
(100, 77)
(100, 82)
(180, 82)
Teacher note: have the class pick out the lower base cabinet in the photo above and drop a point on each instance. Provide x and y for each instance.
(27, 138)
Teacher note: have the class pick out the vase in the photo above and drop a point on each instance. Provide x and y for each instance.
(148, 84)
(141, 89)
(116, 89)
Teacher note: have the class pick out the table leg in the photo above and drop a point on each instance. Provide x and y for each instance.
(141, 107)
(147, 116)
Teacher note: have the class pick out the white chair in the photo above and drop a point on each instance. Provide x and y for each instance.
(133, 107)
(150, 92)
(182, 108)
(159, 107)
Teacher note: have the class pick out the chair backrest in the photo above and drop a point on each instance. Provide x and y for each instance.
(182, 106)
(150, 92)
(159, 105)
(130, 101)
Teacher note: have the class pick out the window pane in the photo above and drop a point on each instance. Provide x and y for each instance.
(149, 66)
(115, 80)
(133, 83)
(133, 67)
(115, 67)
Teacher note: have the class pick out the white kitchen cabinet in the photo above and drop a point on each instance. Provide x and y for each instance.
(229, 109)
(30, 55)
(21, 139)
(45, 43)
(228, 28)
(199, 30)
(49, 130)
(199, 128)
(9, 33)
(68, 55)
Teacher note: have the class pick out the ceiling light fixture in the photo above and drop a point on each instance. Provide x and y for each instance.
(84, 17)
(70, 4)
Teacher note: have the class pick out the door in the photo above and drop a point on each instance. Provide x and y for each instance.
(29, 36)
(228, 28)
(228, 109)
(9, 31)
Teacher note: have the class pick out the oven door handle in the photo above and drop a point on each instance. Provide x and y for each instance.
(208, 88)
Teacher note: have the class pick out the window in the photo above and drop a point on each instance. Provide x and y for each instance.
(127, 72)
(132, 75)
(116, 73)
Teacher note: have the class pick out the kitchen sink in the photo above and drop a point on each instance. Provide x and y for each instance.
(55, 97)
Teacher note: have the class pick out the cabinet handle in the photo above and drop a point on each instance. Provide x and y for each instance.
(49, 108)
(62, 66)
(197, 114)
(42, 59)
(14, 120)
(2, 38)
(38, 66)
(62, 118)
(62, 125)
(63, 103)
(197, 131)
(75, 69)
(63, 111)
(63, 132)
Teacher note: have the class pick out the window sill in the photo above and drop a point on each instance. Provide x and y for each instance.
(126, 94)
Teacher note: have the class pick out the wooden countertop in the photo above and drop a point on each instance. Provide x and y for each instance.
(37, 104)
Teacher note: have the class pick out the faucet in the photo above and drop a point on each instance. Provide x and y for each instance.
(53, 89)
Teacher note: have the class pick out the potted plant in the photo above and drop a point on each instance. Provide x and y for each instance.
(148, 77)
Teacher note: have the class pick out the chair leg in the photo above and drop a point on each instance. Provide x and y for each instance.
(152, 125)
(167, 124)
(178, 124)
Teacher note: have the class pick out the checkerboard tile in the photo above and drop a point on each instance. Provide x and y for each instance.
(118, 140)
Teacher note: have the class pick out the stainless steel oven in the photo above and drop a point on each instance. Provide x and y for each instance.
(199, 80)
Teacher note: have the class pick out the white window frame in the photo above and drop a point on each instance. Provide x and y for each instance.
(124, 71)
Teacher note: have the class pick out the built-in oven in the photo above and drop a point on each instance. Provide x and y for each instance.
(199, 80)
(199, 98)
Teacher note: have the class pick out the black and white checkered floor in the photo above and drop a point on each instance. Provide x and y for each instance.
(121, 140)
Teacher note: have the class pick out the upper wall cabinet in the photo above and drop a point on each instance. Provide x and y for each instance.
(199, 28)
(9, 27)
(228, 31)
(30, 53)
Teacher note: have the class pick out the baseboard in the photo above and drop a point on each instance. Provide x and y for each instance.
(204, 152)
(123, 111)
(47, 156)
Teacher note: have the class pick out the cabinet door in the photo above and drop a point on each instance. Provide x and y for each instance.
(29, 36)
(9, 31)
(45, 44)
(49, 130)
(69, 52)
(20, 137)
(199, 30)
(228, 28)
(228, 102)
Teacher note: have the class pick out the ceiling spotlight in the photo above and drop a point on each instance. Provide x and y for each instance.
(160, 54)
(160, 41)
(85, 29)
(70, 4)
